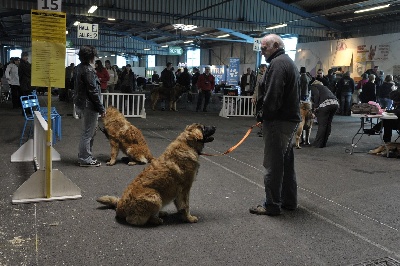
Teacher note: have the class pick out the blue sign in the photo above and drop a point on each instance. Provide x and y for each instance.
(233, 73)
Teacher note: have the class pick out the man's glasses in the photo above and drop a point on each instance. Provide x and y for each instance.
(319, 73)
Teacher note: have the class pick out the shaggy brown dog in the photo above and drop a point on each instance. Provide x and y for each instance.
(172, 95)
(123, 135)
(305, 124)
(391, 148)
(168, 178)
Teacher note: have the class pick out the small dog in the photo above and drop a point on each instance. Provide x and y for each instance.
(172, 95)
(168, 178)
(391, 148)
(305, 124)
(123, 135)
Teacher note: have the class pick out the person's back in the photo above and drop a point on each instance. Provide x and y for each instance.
(24, 74)
(184, 79)
(167, 78)
(368, 92)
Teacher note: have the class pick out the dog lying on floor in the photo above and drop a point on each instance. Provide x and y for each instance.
(123, 135)
(168, 178)
(305, 124)
(172, 95)
(391, 148)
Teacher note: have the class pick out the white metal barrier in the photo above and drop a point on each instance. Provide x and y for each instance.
(36, 187)
(237, 106)
(130, 105)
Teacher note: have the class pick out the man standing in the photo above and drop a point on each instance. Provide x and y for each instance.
(168, 80)
(11, 74)
(247, 83)
(281, 116)
(24, 73)
(346, 89)
(205, 84)
(321, 78)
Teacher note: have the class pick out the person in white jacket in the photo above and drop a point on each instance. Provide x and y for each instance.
(12, 77)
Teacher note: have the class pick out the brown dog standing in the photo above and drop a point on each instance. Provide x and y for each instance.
(172, 95)
(168, 178)
(123, 135)
(305, 124)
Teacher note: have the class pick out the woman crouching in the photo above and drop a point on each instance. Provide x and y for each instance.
(325, 105)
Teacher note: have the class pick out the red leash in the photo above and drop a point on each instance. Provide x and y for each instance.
(237, 144)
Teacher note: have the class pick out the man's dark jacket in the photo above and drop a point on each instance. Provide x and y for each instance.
(282, 97)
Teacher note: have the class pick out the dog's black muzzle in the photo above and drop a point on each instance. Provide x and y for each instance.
(207, 133)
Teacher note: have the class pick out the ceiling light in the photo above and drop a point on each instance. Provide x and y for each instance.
(223, 36)
(112, 19)
(146, 49)
(276, 26)
(370, 9)
(66, 32)
(92, 9)
(165, 46)
(188, 42)
(76, 23)
(184, 27)
(113, 55)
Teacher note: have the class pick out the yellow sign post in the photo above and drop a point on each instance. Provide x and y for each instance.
(48, 59)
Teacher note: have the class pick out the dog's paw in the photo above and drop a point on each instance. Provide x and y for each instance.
(155, 220)
(192, 219)
(110, 163)
(162, 214)
(298, 147)
(132, 163)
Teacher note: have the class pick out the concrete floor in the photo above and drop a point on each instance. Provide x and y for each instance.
(349, 207)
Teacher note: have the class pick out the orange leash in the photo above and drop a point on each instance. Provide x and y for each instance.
(237, 144)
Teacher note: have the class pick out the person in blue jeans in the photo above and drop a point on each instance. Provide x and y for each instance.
(87, 103)
(346, 88)
(281, 116)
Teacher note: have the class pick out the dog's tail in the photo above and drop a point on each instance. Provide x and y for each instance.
(104, 131)
(109, 201)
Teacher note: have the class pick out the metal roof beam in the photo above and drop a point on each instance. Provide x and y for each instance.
(245, 37)
(304, 14)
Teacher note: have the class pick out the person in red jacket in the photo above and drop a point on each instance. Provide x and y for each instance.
(102, 74)
(205, 84)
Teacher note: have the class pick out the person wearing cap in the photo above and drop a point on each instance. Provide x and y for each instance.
(87, 102)
(11, 74)
(24, 73)
(205, 84)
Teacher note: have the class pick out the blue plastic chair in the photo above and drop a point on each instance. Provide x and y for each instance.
(55, 116)
(30, 105)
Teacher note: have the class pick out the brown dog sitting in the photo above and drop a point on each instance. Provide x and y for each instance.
(168, 178)
(172, 95)
(305, 124)
(123, 135)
